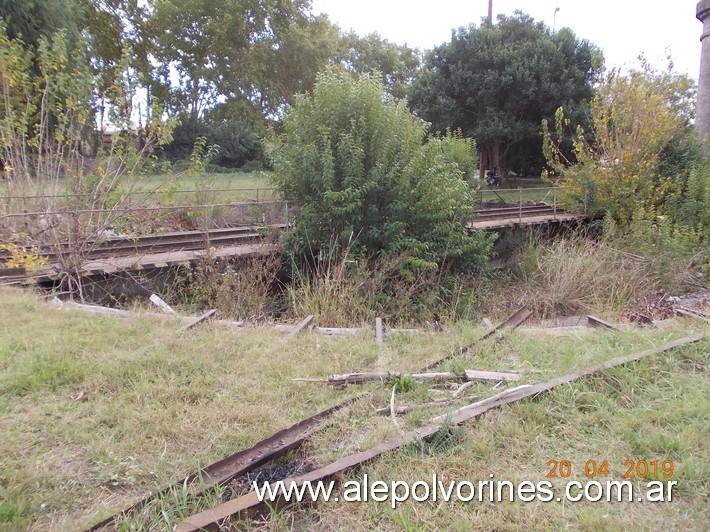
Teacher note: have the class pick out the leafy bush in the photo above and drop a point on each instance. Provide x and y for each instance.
(238, 144)
(185, 135)
(640, 147)
(356, 163)
(673, 251)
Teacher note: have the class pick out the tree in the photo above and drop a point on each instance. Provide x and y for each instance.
(355, 162)
(397, 64)
(32, 20)
(250, 55)
(637, 153)
(497, 82)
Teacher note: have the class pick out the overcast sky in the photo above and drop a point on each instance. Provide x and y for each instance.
(622, 28)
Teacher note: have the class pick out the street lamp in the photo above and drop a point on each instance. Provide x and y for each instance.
(554, 19)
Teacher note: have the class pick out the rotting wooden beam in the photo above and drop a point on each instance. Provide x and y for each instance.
(477, 375)
(593, 321)
(403, 331)
(298, 328)
(198, 319)
(222, 512)
(691, 314)
(99, 310)
(360, 378)
(513, 322)
(239, 463)
(337, 331)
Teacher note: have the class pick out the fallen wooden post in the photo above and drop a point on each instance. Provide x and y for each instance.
(476, 375)
(250, 501)
(101, 311)
(162, 305)
(403, 331)
(298, 328)
(513, 322)
(465, 386)
(593, 321)
(197, 320)
(405, 409)
(239, 463)
(359, 378)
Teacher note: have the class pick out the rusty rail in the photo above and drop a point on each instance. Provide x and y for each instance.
(243, 462)
(221, 513)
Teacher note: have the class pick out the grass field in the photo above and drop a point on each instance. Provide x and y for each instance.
(182, 188)
(95, 412)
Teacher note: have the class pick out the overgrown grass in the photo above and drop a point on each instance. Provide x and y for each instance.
(345, 292)
(575, 274)
(158, 404)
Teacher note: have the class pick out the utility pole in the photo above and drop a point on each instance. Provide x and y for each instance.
(554, 19)
(490, 12)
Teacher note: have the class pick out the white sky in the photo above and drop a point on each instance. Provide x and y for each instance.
(621, 28)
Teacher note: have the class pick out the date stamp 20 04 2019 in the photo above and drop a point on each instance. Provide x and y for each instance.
(634, 469)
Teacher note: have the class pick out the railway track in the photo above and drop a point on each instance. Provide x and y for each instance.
(517, 211)
(196, 240)
(157, 243)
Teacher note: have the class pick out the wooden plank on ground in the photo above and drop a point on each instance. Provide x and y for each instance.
(298, 328)
(593, 321)
(162, 305)
(691, 314)
(250, 501)
(337, 331)
(476, 375)
(514, 321)
(360, 378)
(239, 463)
(198, 319)
(101, 311)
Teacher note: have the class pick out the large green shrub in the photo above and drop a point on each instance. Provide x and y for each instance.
(236, 142)
(357, 166)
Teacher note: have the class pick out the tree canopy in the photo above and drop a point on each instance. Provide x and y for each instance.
(497, 82)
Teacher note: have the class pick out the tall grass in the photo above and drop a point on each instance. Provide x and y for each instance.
(576, 274)
(340, 291)
(240, 289)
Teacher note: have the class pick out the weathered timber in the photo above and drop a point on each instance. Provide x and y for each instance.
(337, 331)
(593, 321)
(239, 463)
(222, 512)
(198, 319)
(162, 305)
(691, 314)
(477, 375)
(469, 374)
(298, 328)
(379, 335)
(513, 322)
